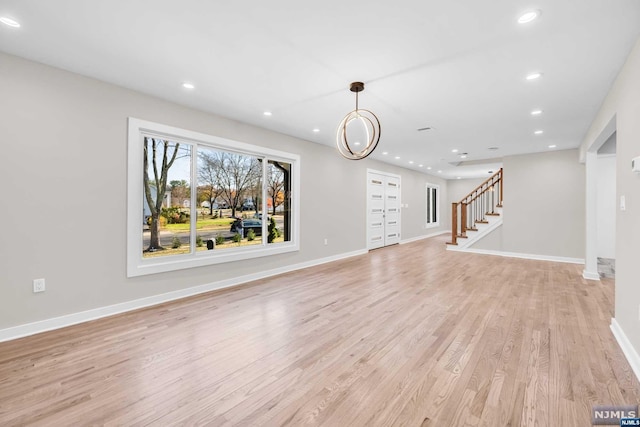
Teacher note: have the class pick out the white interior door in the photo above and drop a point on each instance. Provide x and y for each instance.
(383, 209)
(375, 210)
(392, 211)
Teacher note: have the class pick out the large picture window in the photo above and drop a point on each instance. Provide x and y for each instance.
(433, 205)
(196, 199)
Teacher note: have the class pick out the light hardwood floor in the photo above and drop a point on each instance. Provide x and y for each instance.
(409, 335)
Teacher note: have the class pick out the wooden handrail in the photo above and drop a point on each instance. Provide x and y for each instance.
(497, 174)
(475, 206)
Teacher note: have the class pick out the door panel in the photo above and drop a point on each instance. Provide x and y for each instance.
(392, 211)
(375, 211)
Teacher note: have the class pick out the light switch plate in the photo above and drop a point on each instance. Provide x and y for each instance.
(38, 285)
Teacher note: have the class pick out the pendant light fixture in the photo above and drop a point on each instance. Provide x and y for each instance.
(364, 118)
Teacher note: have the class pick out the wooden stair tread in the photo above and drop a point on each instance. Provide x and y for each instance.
(492, 214)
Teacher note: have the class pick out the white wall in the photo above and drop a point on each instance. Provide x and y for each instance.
(622, 104)
(64, 150)
(416, 212)
(544, 196)
(492, 241)
(459, 188)
(543, 212)
(606, 198)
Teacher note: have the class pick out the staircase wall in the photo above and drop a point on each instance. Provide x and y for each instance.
(490, 242)
(544, 200)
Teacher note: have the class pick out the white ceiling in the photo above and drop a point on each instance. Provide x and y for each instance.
(458, 66)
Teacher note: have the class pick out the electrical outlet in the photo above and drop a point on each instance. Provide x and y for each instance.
(38, 285)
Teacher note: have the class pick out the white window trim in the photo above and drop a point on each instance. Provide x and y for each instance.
(136, 264)
(426, 220)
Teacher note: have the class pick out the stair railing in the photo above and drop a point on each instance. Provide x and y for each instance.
(476, 206)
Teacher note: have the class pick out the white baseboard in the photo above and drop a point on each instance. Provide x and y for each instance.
(518, 255)
(97, 313)
(426, 236)
(590, 275)
(630, 353)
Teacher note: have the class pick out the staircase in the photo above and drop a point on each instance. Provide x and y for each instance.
(477, 214)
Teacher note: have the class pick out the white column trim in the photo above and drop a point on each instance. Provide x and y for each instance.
(591, 218)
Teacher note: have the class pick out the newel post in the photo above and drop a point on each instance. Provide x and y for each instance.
(454, 224)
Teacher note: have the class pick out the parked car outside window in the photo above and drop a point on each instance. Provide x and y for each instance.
(253, 224)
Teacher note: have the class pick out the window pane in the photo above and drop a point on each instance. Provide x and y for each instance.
(167, 198)
(279, 201)
(432, 205)
(229, 200)
(434, 213)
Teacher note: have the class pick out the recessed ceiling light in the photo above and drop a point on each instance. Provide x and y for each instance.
(463, 156)
(439, 171)
(410, 162)
(420, 166)
(534, 76)
(429, 168)
(536, 112)
(455, 150)
(552, 146)
(10, 22)
(528, 16)
(384, 153)
(539, 132)
(316, 130)
(188, 85)
(397, 157)
(458, 177)
(267, 113)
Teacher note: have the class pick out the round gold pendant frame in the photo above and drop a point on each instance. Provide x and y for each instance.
(371, 124)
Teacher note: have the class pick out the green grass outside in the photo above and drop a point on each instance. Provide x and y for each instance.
(203, 224)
